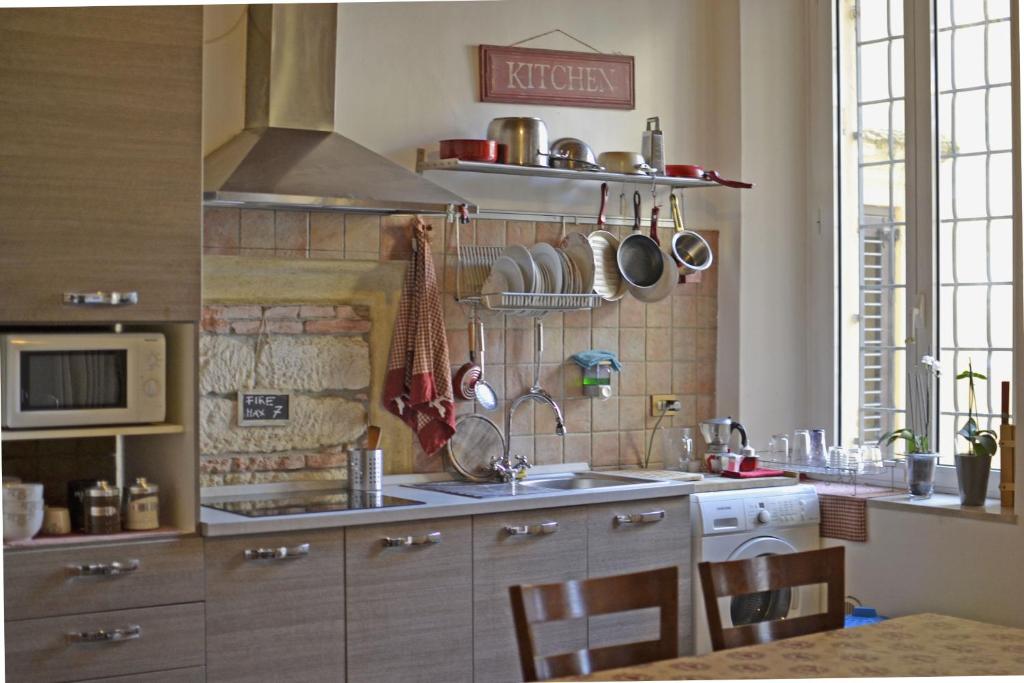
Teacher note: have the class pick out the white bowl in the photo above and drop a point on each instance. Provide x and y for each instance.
(22, 506)
(23, 492)
(21, 526)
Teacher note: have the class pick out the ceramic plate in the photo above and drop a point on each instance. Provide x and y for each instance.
(510, 274)
(550, 264)
(579, 250)
(520, 255)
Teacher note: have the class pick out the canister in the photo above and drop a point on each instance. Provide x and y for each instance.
(76, 501)
(142, 506)
(102, 509)
(365, 469)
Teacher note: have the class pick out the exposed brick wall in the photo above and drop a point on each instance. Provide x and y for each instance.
(668, 347)
(318, 353)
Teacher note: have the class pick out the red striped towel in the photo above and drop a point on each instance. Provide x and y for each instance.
(418, 385)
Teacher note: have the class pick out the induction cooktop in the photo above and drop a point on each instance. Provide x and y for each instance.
(306, 502)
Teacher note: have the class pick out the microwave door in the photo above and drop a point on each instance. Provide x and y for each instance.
(74, 380)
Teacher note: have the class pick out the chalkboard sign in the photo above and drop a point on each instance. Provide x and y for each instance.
(259, 408)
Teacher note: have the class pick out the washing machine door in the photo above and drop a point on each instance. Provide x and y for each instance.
(767, 605)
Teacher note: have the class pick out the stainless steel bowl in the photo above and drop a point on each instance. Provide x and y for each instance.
(574, 154)
(692, 252)
(630, 163)
(522, 140)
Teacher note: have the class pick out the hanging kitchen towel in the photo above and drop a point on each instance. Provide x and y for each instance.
(418, 385)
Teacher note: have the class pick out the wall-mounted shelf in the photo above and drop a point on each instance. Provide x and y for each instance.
(424, 163)
(91, 432)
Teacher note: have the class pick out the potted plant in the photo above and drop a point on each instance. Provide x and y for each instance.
(972, 468)
(921, 460)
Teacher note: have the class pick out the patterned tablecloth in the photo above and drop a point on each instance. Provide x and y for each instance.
(918, 645)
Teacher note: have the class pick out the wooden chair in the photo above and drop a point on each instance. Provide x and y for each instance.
(535, 604)
(768, 573)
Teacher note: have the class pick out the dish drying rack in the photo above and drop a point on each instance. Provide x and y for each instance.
(473, 265)
(844, 475)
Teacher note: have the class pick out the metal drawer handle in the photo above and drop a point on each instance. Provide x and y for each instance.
(432, 538)
(641, 517)
(112, 569)
(542, 529)
(282, 553)
(101, 298)
(131, 632)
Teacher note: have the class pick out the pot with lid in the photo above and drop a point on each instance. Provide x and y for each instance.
(573, 154)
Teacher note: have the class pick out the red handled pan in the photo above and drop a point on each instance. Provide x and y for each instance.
(698, 173)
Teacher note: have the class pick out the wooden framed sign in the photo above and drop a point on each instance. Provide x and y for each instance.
(262, 408)
(523, 75)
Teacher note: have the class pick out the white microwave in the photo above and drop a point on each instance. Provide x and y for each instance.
(78, 379)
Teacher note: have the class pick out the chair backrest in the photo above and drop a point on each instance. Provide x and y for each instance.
(536, 604)
(769, 573)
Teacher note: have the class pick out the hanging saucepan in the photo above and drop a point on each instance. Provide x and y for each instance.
(691, 251)
(639, 257)
(667, 282)
(698, 173)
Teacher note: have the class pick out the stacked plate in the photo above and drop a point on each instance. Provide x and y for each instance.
(537, 276)
(23, 511)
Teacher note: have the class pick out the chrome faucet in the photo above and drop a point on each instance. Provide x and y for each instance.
(503, 466)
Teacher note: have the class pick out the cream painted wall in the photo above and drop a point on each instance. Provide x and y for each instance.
(916, 562)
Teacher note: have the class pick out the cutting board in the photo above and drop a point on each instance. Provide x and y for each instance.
(663, 475)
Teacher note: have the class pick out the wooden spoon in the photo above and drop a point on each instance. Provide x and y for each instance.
(372, 437)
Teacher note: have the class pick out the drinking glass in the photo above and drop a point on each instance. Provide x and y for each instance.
(871, 459)
(801, 447)
(778, 448)
(817, 452)
(836, 458)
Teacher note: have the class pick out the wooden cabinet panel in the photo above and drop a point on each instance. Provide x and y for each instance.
(40, 650)
(501, 560)
(192, 674)
(45, 582)
(409, 608)
(276, 619)
(100, 142)
(620, 548)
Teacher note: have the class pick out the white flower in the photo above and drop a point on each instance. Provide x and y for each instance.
(932, 363)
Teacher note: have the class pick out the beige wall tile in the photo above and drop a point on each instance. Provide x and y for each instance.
(684, 311)
(522, 233)
(705, 377)
(631, 448)
(547, 449)
(552, 352)
(632, 313)
(576, 448)
(519, 346)
(684, 344)
(631, 412)
(326, 231)
(684, 377)
(362, 236)
(577, 414)
(606, 339)
(221, 228)
(576, 319)
(550, 233)
(632, 344)
(575, 339)
(604, 415)
(606, 315)
(659, 344)
(707, 311)
(707, 344)
(660, 314)
(291, 230)
(326, 255)
(522, 445)
(396, 238)
(659, 377)
(490, 233)
(604, 449)
(632, 381)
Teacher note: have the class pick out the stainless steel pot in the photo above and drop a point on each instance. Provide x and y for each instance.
(522, 140)
(640, 260)
(629, 163)
(574, 154)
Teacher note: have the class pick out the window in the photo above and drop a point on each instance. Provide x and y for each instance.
(955, 259)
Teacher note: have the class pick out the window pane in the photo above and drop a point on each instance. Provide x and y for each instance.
(974, 239)
(873, 238)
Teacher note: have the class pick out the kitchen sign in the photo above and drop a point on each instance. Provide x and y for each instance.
(523, 75)
(260, 408)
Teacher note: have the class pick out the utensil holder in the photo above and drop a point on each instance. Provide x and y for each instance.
(365, 469)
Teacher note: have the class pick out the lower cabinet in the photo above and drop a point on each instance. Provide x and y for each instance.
(105, 644)
(635, 536)
(409, 601)
(275, 607)
(533, 546)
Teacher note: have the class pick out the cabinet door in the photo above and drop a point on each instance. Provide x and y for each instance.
(100, 142)
(544, 546)
(634, 536)
(275, 607)
(409, 607)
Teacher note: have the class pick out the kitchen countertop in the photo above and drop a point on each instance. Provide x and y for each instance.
(437, 505)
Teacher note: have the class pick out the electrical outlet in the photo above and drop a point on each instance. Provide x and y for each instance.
(658, 402)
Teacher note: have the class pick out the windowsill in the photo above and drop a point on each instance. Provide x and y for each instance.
(946, 505)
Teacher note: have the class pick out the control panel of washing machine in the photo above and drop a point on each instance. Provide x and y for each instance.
(724, 513)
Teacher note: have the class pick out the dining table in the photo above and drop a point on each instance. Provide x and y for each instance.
(915, 645)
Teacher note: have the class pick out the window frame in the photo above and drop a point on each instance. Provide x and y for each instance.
(922, 188)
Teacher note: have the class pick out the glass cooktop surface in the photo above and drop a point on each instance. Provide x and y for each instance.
(307, 502)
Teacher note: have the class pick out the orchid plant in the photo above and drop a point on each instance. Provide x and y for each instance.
(983, 441)
(919, 408)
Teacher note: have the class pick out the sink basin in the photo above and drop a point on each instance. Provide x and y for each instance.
(580, 480)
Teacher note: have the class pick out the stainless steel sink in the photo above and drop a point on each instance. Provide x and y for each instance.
(580, 480)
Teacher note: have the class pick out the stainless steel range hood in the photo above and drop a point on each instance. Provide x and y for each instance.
(289, 155)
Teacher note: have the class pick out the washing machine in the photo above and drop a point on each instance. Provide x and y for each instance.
(741, 524)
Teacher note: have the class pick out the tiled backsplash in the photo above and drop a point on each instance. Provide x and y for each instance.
(668, 347)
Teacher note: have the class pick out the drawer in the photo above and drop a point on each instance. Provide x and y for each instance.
(192, 674)
(153, 639)
(279, 615)
(51, 582)
(409, 593)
